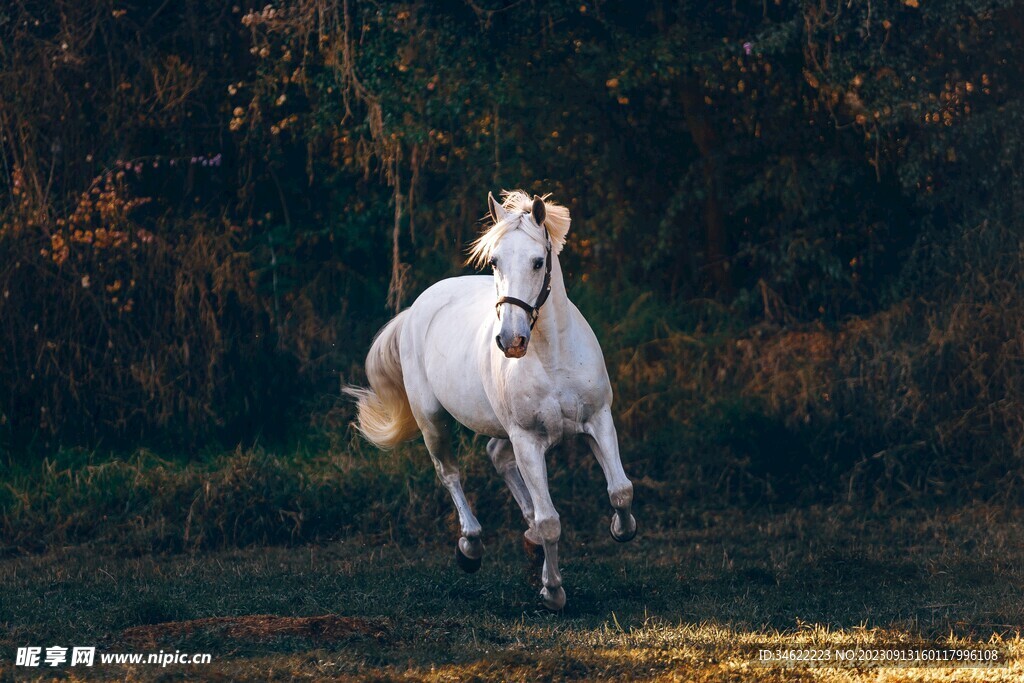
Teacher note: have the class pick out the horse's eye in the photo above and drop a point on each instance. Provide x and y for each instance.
(538, 263)
(493, 263)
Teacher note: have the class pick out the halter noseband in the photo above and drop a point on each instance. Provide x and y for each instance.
(545, 290)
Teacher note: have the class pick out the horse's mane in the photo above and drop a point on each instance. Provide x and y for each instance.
(518, 205)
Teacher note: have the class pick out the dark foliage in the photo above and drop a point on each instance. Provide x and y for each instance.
(206, 207)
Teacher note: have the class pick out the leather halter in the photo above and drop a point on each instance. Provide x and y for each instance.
(545, 290)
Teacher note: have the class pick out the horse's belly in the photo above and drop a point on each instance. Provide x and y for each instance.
(481, 424)
(468, 404)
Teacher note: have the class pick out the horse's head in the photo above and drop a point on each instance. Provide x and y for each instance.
(520, 248)
(522, 278)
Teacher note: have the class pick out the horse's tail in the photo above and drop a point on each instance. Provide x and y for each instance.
(384, 416)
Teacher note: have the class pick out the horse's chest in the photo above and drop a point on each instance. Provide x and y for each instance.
(558, 409)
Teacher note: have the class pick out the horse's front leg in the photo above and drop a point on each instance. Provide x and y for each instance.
(504, 459)
(529, 454)
(600, 434)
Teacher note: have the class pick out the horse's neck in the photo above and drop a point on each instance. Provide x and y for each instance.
(554, 322)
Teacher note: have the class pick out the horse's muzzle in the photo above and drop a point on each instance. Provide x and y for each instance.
(516, 347)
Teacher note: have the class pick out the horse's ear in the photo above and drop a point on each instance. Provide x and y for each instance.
(496, 209)
(538, 211)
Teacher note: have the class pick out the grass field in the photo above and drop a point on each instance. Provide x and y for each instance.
(694, 603)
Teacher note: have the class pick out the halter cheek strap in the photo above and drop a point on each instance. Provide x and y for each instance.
(534, 310)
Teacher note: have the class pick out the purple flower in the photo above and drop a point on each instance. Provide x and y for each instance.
(748, 48)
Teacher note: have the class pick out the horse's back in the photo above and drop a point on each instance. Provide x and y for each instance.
(458, 304)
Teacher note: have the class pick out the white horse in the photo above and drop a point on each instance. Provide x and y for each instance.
(460, 353)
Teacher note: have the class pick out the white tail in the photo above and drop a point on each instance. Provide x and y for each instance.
(384, 416)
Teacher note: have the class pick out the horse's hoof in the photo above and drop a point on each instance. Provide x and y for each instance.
(466, 563)
(622, 535)
(553, 598)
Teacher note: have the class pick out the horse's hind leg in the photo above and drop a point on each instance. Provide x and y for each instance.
(504, 459)
(437, 434)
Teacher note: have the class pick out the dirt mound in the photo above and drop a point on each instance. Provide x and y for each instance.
(257, 627)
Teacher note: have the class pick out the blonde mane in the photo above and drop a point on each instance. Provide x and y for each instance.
(518, 205)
